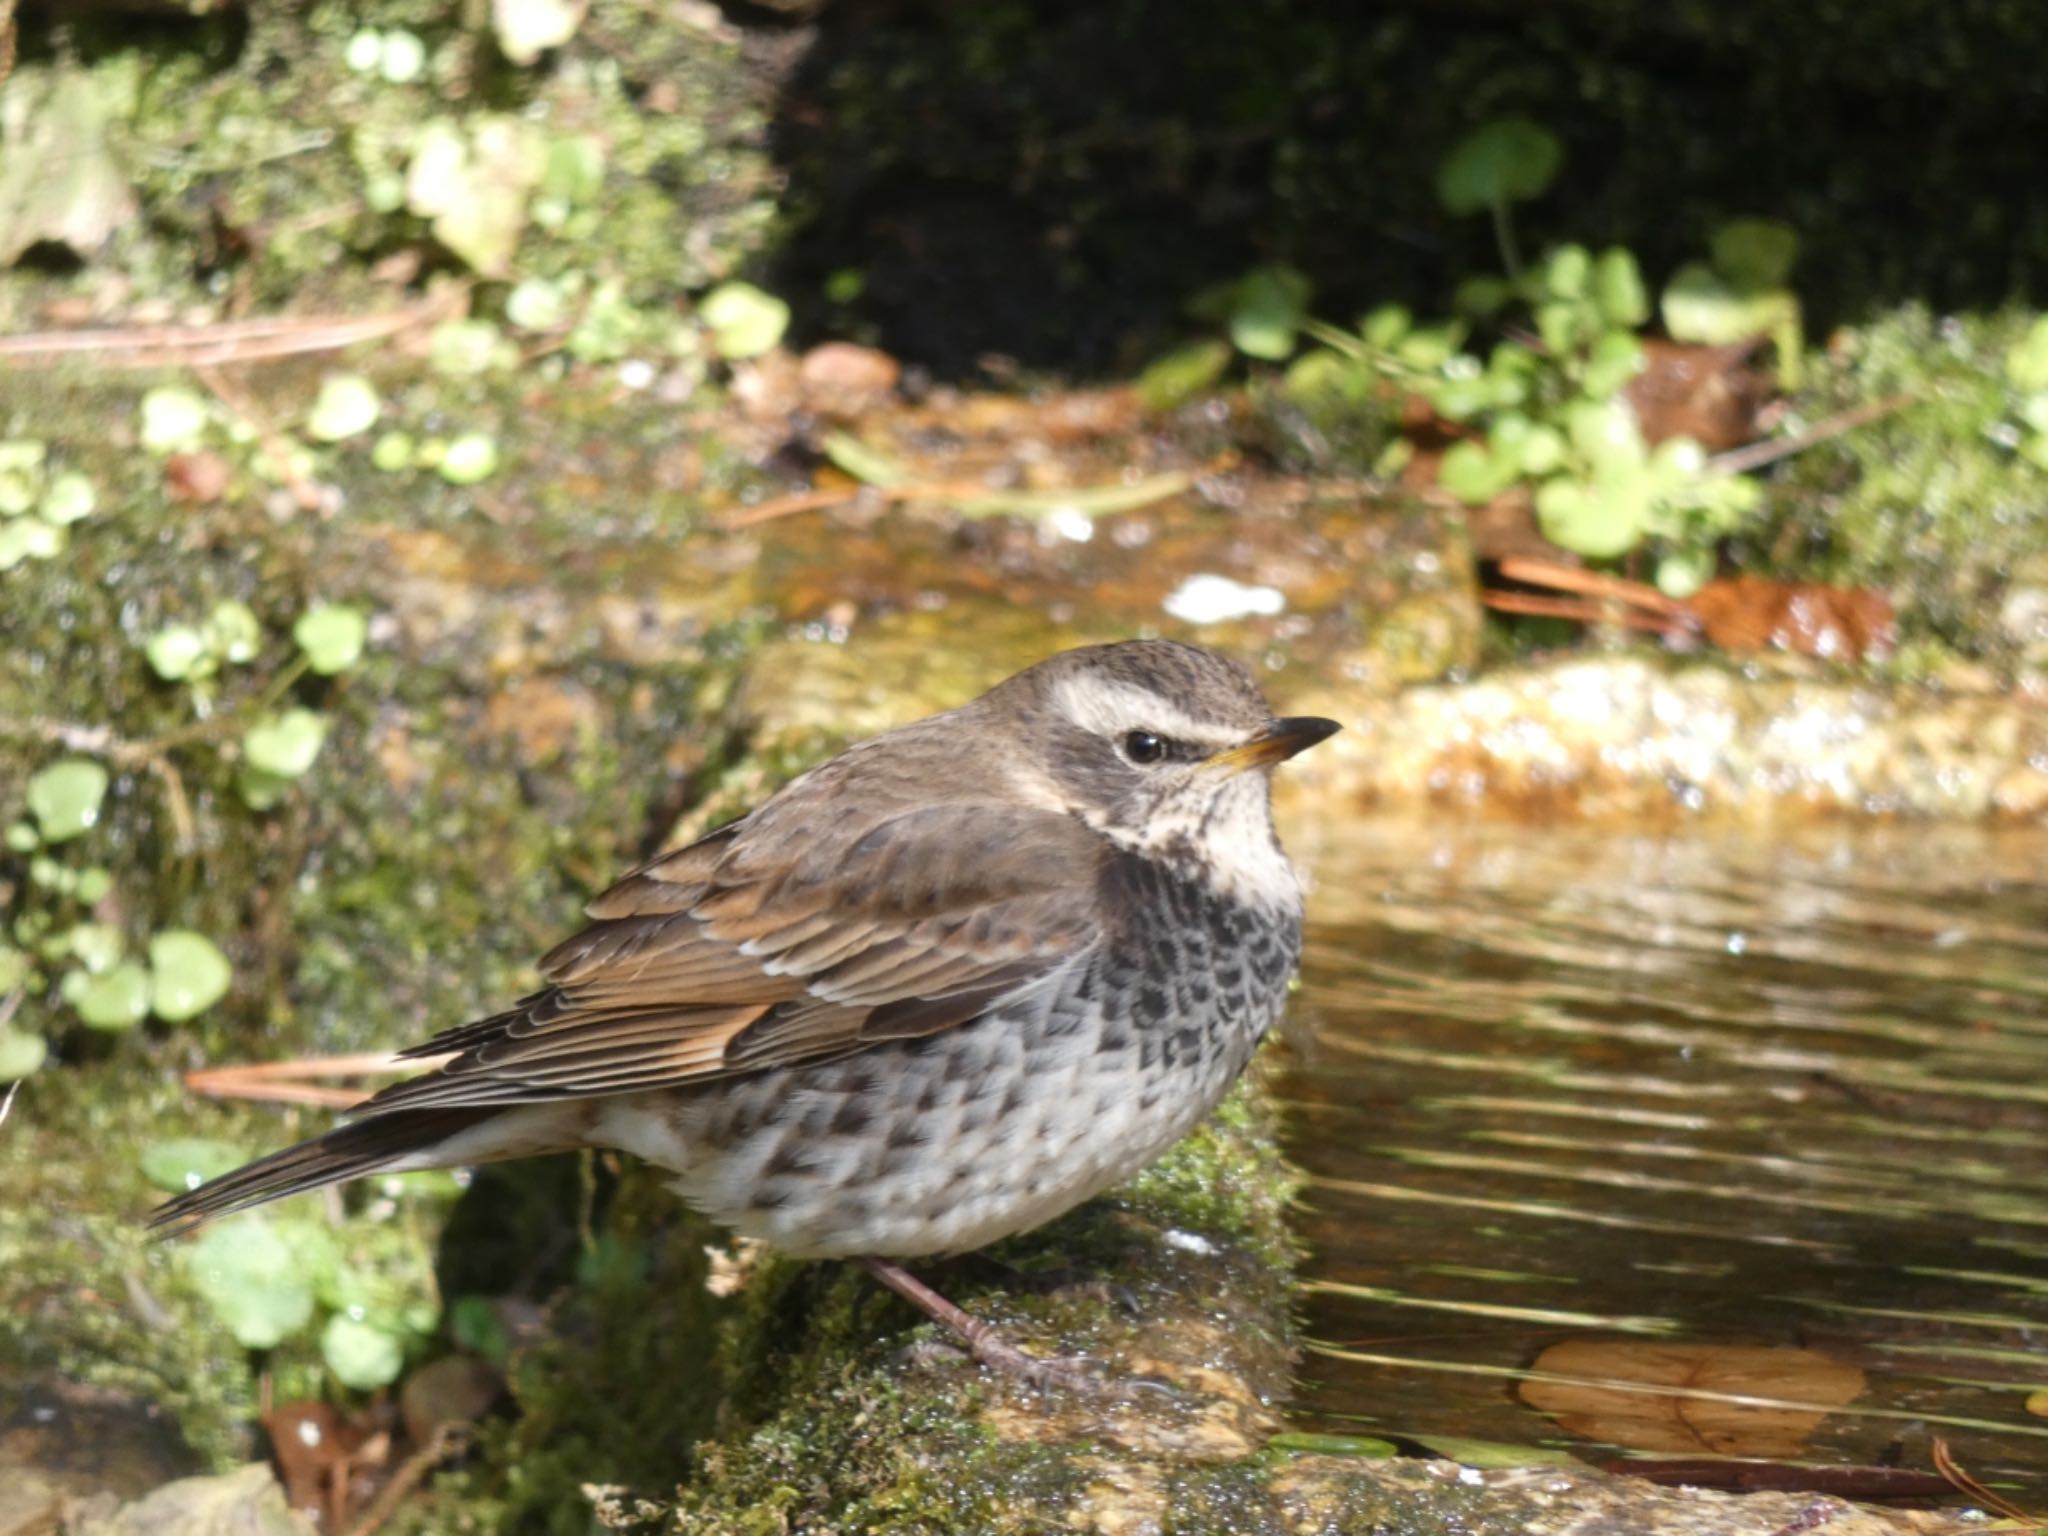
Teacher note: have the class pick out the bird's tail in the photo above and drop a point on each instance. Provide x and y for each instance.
(394, 1142)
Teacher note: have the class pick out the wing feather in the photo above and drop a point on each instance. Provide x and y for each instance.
(788, 936)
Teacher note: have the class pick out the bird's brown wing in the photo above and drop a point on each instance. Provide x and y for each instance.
(789, 936)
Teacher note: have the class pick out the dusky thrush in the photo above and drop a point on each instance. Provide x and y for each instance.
(937, 991)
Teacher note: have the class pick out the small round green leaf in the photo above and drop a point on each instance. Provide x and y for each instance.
(1618, 288)
(361, 1354)
(117, 1000)
(364, 49)
(173, 419)
(98, 946)
(1508, 160)
(252, 1281)
(537, 304)
(21, 475)
(1682, 572)
(470, 458)
(1755, 253)
(1615, 358)
(1471, 473)
(186, 1162)
(285, 744)
(1540, 451)
(402, 57)
(232, 631)
(528, 28)
(1322, 375)
(65, 797)
(1267, 312)
(347, 405)
(260, 791)
(69, 499)
(1430, 347)
(20, 1053)
(15, 967)
(1561, 324)
(30, 538)
(22, 837)
(332, 636)
(744, 321)
(1385, 326)
(1598, 519)
(393, 452)
(474, 1325)
(175, 651)
(94, 881)
(18, 541)
(1568, 271)
(1179, 376)
(188, 974)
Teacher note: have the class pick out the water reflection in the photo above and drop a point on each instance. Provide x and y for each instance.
(1558, 1091)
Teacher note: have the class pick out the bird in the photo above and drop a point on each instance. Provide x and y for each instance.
(934, 992)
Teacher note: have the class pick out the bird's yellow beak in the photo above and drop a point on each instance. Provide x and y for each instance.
(1276, 743)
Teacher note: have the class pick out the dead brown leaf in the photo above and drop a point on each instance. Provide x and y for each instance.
(1680, 1398)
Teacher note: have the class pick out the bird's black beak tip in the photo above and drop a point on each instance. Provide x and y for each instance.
(1301, 732)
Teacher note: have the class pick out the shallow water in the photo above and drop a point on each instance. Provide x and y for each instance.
(1557, 1087)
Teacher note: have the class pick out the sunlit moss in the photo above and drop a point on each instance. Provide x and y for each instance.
(1932, 503)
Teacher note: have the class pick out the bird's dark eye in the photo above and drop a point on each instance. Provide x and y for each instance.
(1144, 747)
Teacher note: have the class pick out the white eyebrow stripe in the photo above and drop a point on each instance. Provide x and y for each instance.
(1110, 708)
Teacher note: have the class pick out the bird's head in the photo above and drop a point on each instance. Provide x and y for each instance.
(1164, 748)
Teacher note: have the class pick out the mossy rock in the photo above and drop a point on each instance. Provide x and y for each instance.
(1931, 504)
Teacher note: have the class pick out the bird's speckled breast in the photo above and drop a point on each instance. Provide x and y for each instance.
(947, 1143)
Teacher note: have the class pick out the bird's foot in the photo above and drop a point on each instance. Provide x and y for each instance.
(986, 1344)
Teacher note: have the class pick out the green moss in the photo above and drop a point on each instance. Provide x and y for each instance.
(621, 1384)
(1930, 504)
(1229, 1182)
(83, 1296)
(492, 760)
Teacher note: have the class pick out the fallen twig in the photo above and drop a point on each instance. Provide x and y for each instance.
(275, 448)
(1601, 599)
(1576, 610)
(447, 1440)
(224, 344)
(1737, 461)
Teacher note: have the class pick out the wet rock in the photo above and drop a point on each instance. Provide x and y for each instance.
(245, 1502)
(1650, 740)
(1328, 1493)
(78, 1440)
(30, 1505)
(1353, 601)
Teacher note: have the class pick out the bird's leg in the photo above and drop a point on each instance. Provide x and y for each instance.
(984, 1342)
